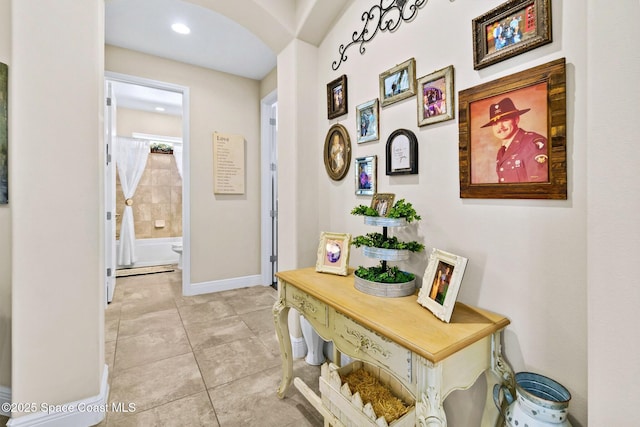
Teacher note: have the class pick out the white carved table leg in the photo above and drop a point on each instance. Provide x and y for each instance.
(500, 373)
(429, 409)
(281, 321)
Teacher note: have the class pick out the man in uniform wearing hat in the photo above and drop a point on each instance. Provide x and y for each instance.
(523, 156)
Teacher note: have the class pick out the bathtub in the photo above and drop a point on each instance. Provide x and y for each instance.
(155, 251)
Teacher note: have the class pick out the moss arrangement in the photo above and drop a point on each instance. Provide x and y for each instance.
(383, 273)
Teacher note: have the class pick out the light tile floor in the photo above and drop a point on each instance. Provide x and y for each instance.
(207, 360)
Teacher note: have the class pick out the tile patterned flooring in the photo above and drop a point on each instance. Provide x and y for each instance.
(206, 360)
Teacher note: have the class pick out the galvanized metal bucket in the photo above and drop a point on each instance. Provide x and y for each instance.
(540, 402)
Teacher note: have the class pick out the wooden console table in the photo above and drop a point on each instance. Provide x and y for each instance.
(430, 357)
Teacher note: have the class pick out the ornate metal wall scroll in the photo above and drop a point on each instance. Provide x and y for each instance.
(386, 16)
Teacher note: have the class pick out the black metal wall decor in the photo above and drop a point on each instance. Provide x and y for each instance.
(386, 16)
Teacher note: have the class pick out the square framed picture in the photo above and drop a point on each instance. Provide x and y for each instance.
(441, 283)
(402, 153)
(366, 171)
(382, 202)
(435, 103)
(337, 97)
(512, 136)
(510, 29)
(333, 253)
(368, 121)
(398, 83)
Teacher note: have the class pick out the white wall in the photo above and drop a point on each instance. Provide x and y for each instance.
(224, 228)
(527, 259)
(55, 146)
(5, 224)
(613, 205)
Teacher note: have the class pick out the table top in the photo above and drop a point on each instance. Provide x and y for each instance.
(402, 319)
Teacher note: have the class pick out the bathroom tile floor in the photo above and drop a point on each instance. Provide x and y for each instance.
(206, 360)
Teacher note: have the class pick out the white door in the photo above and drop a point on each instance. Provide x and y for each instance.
(110, 192)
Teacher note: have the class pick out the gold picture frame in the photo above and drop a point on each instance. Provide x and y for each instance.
(382, 202)
(337, 152)
(333, 253)
(398, 83)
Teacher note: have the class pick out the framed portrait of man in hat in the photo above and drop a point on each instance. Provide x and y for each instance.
(512, 136)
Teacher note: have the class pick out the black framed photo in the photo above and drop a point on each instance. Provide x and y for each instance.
(337, 97)
(510, 29)
(402, 153)
(366, 170)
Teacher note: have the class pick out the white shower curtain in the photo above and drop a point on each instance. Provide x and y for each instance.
(131, 160)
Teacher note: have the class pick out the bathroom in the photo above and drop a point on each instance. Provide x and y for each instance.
(156, 188)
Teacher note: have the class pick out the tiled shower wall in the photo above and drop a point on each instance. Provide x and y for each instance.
(158, 198)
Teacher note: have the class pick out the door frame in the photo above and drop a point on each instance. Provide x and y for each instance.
(186, 194)
(268, 146)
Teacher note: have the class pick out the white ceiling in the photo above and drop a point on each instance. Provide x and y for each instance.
(215, 42)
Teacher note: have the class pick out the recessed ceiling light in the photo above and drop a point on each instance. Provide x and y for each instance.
(180, 28)
(159, 109)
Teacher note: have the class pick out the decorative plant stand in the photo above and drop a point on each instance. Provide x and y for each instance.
(379, 288)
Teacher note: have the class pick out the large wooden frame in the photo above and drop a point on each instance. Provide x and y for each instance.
(333, 253)
(542, 90)
(441, 283)
(510, 29)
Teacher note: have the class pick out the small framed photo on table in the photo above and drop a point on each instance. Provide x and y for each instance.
(333, 253)
(441, 283)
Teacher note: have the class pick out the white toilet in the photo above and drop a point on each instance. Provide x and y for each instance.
(177, 248)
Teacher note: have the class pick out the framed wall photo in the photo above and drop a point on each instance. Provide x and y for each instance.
(337, 152)
(366, 170)
(398, 83)
(510, 29)
(333, 253)
(435, 100)
(402, 153)
(441, 283)
(382, 202)
(368, 121)
(512, 136)
(337, 97)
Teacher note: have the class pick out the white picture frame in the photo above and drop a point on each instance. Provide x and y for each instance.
(333, 253)
(441, 283)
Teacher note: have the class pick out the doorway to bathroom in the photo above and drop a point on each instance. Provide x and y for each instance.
(147, 199)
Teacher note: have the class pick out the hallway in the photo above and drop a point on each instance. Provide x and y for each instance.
(207, 360)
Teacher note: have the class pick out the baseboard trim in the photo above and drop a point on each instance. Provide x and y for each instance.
(85, 412)
(5, 397)
(223, 285)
